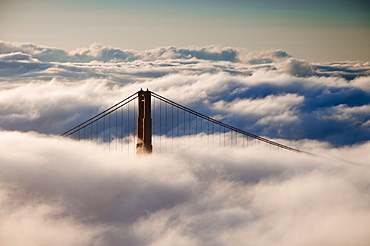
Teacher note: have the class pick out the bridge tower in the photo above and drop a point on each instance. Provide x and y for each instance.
(144, 123)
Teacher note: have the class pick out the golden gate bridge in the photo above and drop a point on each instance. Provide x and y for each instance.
(146, 122)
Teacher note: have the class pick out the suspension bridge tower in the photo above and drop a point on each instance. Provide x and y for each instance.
(144, 123)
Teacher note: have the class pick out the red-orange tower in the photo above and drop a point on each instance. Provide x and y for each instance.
(144, 123)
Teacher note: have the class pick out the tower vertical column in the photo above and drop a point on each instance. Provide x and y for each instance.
(144, 123)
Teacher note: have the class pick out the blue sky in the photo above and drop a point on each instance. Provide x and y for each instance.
(313, 30)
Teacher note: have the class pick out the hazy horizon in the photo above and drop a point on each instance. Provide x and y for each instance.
(317, 31)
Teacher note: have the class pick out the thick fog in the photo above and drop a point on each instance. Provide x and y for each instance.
(60, 191)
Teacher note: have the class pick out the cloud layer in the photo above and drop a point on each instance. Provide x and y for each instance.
(276, 105)
(164, 60)
(97, 52)
(75, 197)
(58, 191)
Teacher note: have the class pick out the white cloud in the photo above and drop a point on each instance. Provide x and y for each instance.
(71, 192)
(362, 82)
(16, 56)
(297, 67)
(269, 105)
(75, 193)
(265, 103)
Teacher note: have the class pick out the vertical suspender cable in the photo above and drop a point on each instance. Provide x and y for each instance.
(208, 131)
(172, 126)
(231, 138)
(121, 140)
(97, 130)
(201, 131)
(116, 130)
(108, 131)
(154, 117)
(166, 124)
(219, 136)
(177, 128)
(189, 115)
(135, 119)
(128, 129)
(196, 130)
(213, 134)
(160, 126)
(104, 132)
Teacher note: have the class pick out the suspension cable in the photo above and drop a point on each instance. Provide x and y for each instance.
(96, 118)
(66, 134)
(223, 124)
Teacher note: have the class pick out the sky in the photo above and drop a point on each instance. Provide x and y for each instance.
(318, 31)
(267, 67)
